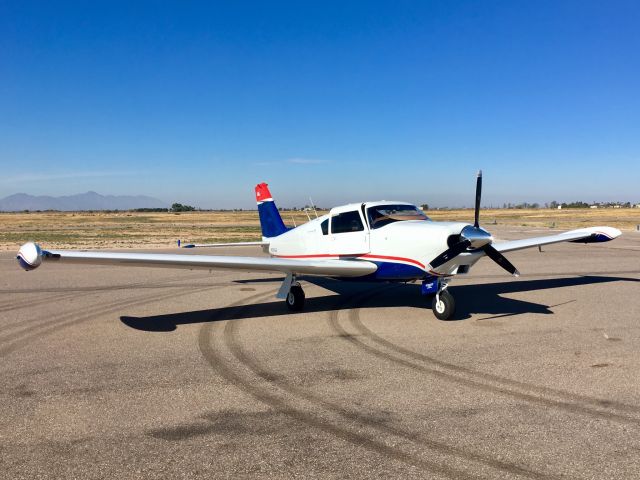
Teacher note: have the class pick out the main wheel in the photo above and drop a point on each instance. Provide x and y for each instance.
(443, 307)
(295, 298)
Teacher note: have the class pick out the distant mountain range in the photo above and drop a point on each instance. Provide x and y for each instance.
(81, 201)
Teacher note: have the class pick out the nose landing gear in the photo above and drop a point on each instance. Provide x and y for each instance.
(443, 303)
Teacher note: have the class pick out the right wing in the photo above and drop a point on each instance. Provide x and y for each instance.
(584, 235)
(31, 256)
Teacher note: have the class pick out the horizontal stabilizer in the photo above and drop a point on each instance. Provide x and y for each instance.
(233, 244)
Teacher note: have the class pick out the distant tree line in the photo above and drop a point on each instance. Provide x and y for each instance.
(178, 207)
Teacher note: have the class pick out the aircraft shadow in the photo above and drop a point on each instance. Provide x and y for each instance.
(470, 299)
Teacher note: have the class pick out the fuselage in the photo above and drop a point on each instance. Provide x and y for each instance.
(384, 233)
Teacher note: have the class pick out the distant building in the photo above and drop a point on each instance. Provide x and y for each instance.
(559, 207)
(593, 206)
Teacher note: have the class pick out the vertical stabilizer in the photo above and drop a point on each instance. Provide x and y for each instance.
(270, 219)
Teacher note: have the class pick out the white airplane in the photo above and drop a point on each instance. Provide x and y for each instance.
(371, 241)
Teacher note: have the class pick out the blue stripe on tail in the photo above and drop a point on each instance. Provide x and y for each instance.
(270, 220)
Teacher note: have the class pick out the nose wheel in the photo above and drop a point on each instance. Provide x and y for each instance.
(443, 305)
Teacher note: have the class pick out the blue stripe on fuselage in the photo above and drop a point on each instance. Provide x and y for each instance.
(391, 271)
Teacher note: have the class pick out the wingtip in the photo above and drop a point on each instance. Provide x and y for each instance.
(516, 274)
(29, 256)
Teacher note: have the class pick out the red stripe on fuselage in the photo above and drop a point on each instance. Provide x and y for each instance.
(398, 259)
(365, 255)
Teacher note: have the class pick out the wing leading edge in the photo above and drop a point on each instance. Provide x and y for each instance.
(30, 257)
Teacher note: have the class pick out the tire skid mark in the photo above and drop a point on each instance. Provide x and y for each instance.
(229, 372)
(40, 300)
(94, 291)
(97, 307)
(479, 380)
(231, 340)
(20, 323)
(542, 390)
(168, 282)
(63, 321)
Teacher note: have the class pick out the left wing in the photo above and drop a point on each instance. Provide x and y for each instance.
(31, 256)
(582, 235)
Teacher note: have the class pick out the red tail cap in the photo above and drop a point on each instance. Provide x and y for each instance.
(262, 192)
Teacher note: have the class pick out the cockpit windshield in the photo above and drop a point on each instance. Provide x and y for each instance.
(381, 215)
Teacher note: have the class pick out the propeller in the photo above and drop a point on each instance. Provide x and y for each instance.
(476, 222)
(501, 260)
(447, 255)
(476, 238)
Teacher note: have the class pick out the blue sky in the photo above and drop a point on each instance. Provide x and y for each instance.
(344, 101)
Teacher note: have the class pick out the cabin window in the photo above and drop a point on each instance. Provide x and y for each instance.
(346, 222)
(381, 215)
(325, 227)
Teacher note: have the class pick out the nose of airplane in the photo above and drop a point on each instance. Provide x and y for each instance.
(477, 237)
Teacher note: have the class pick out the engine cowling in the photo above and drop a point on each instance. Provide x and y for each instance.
(29, 256)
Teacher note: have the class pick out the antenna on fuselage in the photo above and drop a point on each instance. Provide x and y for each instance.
(313, 206)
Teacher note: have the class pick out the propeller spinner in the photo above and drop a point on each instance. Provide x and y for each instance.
(475, 238)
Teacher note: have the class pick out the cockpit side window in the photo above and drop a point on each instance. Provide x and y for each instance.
(325, 227)
(381, 215)
(346, 222)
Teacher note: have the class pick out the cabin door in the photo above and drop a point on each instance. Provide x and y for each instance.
(348, 233)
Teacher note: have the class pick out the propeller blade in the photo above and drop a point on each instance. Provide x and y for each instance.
(501, 260)
(476, 223)
(452, 252)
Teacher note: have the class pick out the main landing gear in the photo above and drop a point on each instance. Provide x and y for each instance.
(292, 293)
(443, 304)
(295, 298)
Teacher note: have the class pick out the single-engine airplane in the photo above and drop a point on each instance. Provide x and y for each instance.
(383, 241)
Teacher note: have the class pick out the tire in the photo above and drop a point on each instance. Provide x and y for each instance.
(295, 298)
(446, 308)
